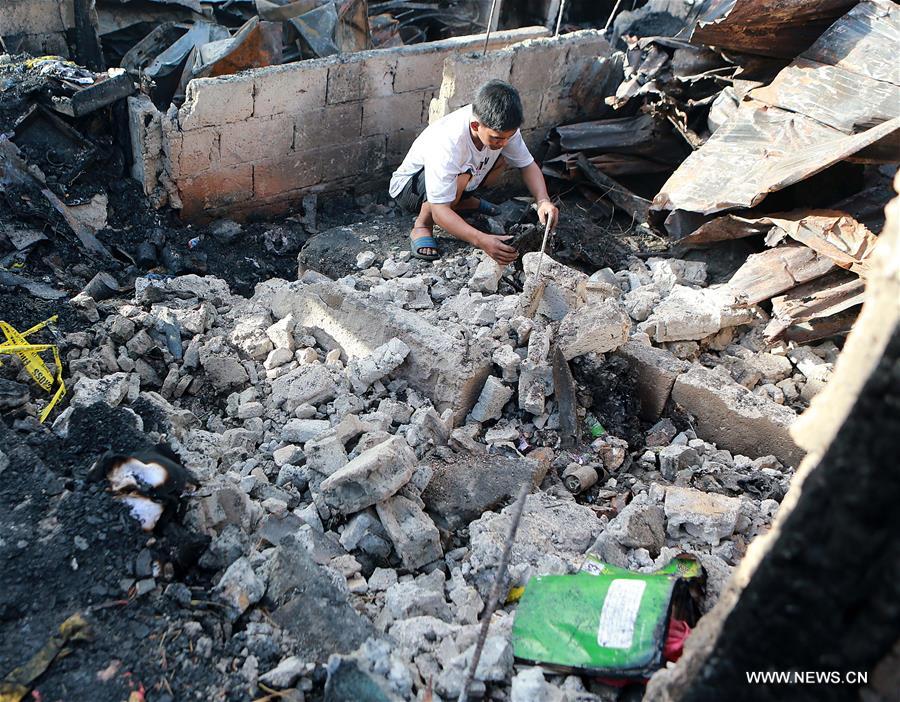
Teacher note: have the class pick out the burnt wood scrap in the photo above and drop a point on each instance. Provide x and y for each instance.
(833, 297)
(778, 270)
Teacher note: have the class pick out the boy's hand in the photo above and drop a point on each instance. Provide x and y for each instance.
(494, 247)
(547, 209)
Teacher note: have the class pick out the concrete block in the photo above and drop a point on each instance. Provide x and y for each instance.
(399, 143)
(565, 289)
(217, 188)
(199, 151)
(325, 456)
(378, 72)
(363, 372)
(586, 44)
(486, 277)
(145, 131)
(215, 101)
(656, 370)
(539, 57)
(371, 477)
(597, 327)
(383, 115)
(282, 333)
(447, 370)
(365, 156)
(316, 128)
(310, 384)
(299, 170)
(468, 485)
(256, 139)
(302, 430)
(464, 74)
(37, 26)
(709, 517)
(494, 395)
(290, 89)
(690, 314)
(288, 455)
(735, 418)
(419, 71)
(345, 81)
(416, 539)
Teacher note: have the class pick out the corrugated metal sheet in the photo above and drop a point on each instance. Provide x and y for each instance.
(761, 150)
(847, 101)
(780, 28)
(765, 147)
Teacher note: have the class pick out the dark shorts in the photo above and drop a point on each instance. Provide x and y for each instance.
(413, 194)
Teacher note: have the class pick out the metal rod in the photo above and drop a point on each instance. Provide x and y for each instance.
(494, 597)
(537, 273)
(562, 9)
(490, 24)
(612, 14)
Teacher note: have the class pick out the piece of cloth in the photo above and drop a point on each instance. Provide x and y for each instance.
(445, 150)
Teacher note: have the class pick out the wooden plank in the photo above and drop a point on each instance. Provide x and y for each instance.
(777, 270)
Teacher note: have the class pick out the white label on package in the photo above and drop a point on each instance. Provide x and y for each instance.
(619, 613)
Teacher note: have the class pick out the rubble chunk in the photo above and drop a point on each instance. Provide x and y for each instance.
(691, 314)
(415, 537)
(363, 372)
(310, 384)
(706, 516)
(240, 587)
(371, 477)
(597, 327)
(735, 418)
(494, 395)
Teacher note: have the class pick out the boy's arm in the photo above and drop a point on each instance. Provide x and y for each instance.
(453, 224)
(534, 181)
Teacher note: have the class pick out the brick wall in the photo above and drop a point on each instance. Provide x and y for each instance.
(258, 141)
(543, 70)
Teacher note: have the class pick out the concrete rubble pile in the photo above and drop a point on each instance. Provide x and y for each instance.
(356, 441)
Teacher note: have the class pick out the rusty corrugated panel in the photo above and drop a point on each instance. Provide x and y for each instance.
(765, 148)
(761, 150)
(852, 102)
(857, 59)
(780, 28)
(865, 41)
(833, 234)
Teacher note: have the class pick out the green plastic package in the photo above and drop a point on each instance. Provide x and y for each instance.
(604, 620)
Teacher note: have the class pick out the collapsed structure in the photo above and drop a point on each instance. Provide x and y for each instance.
(355, 429)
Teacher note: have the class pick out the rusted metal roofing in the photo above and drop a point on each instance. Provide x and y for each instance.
(766, 147)
(779, 28)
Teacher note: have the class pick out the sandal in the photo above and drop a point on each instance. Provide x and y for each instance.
(488, 208)
(424, 242)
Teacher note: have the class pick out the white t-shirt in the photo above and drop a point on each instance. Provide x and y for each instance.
(445, 150)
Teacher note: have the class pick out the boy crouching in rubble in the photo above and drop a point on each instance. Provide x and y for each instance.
(453, 157)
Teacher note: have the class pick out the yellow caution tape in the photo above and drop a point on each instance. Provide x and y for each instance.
(18, 682)
(16, 344)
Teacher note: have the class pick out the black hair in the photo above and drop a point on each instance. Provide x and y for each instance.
(498, 106)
